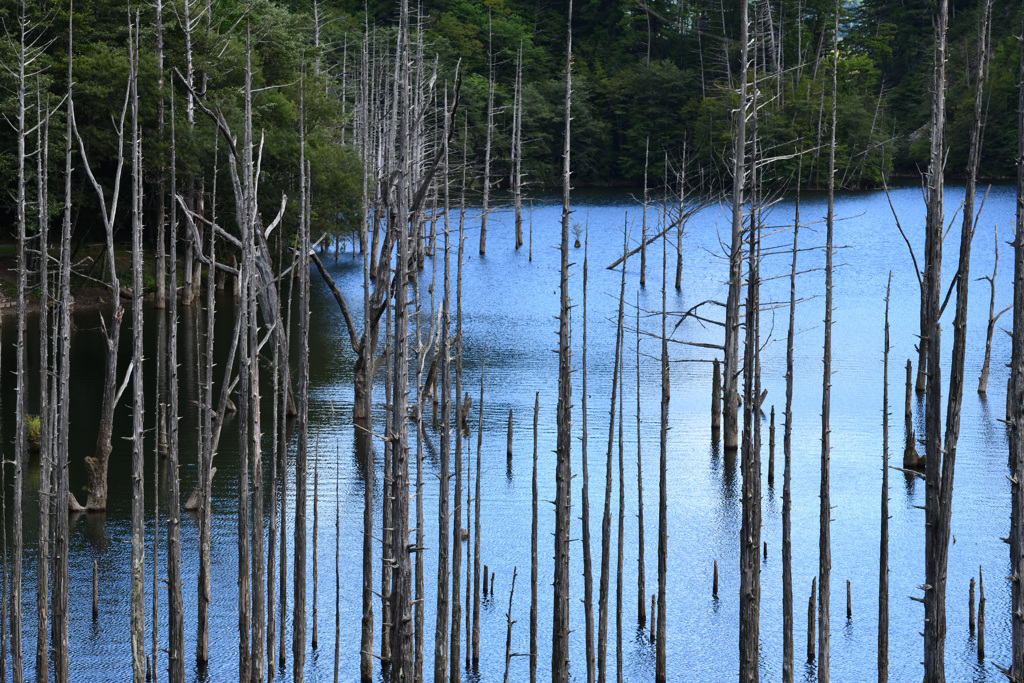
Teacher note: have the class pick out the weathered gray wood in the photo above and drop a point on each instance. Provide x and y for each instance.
(606, 520)
(490, 131)
(641, 574)
(716, 400)
(509, 622)
(811, 633)
(1015, 418)
(787, 494)
(971, 623)
(455, 660)
(825, 509)
(771, 450)
(935, 547)
(477, 497)
(981, 616)
(588, 572)
(138, 554)
(563, 449)
(911, 459)
(533, 550)
(883, 553)
(61, 540)
(993, 317)
(660, 637)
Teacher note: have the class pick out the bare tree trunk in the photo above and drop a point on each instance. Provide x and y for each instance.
(161, 211)
(993, 317)
(1016, 420)
(509, 622)
(533, 550)
(476, 522)
(606, 520)
(883, 552)
(825, 510)
(641, 578)
(588, 572)
(401, 608)
(935, 548)
(301, 454)
(659, 652)
(45, 422)
(956, 374)
(563, 449)
(622, 524)
(732, 304)
(787, 444)
(643, 219)
(517, 148)
(455, 662)
(175, 607)
(61, 532)
(487, 147)
(138, 617)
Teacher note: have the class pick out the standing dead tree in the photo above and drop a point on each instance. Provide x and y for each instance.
(61, 531)
(588, 572)
(1016, 419)
(563, 448)
(96, 465)
(993, 316)
(732, 304)
(606, 520)
(787, 445)
(138, 618)
(825, 509)
(883, 552)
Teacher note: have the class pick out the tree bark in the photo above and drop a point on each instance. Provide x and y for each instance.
(641, 578)
(563, 449)
(883, 552)
(787, 495)
(588, 572)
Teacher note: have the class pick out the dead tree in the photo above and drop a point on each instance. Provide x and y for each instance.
(455, 660)
(96, 465)
(533, 550)
(45, 406)
(993, 317)
(643, 220)
(563, 448)
(1016, 418)
(490, 131)
(732, 304)
(474, 645)
(175, 607)
(606, 520)
(517, 148)
(787, 444)
(940, 529)
(935, 495)
(588, 572)
(659, 652)
(61, 540)
(138, 618)
(825, 509)
(444, 384)
(883, 552)
(641, 578)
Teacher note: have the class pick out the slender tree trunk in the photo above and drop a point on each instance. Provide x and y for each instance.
(1016, 419)
(935, 478)
(476, 522)
(61, 532)
(517, 148)
(643, 219)
(455, 662)
(732, 304)
(301, 453)
(622, 525)
(487, 147)
(563, 468)
(138, 617)
(993, 317)
(606, 520)
(956, 374)
(883, 552)
(641, 578)
(533, 550)
(787, 495)
(825, 510)
(660, 636)
(45, 423)
(588, 572)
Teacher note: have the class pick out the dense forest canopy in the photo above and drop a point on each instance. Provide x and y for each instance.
(654, 76)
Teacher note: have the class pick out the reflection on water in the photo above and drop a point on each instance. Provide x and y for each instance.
(509, 303)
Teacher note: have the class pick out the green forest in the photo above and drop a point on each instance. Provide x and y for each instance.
(652, 81)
